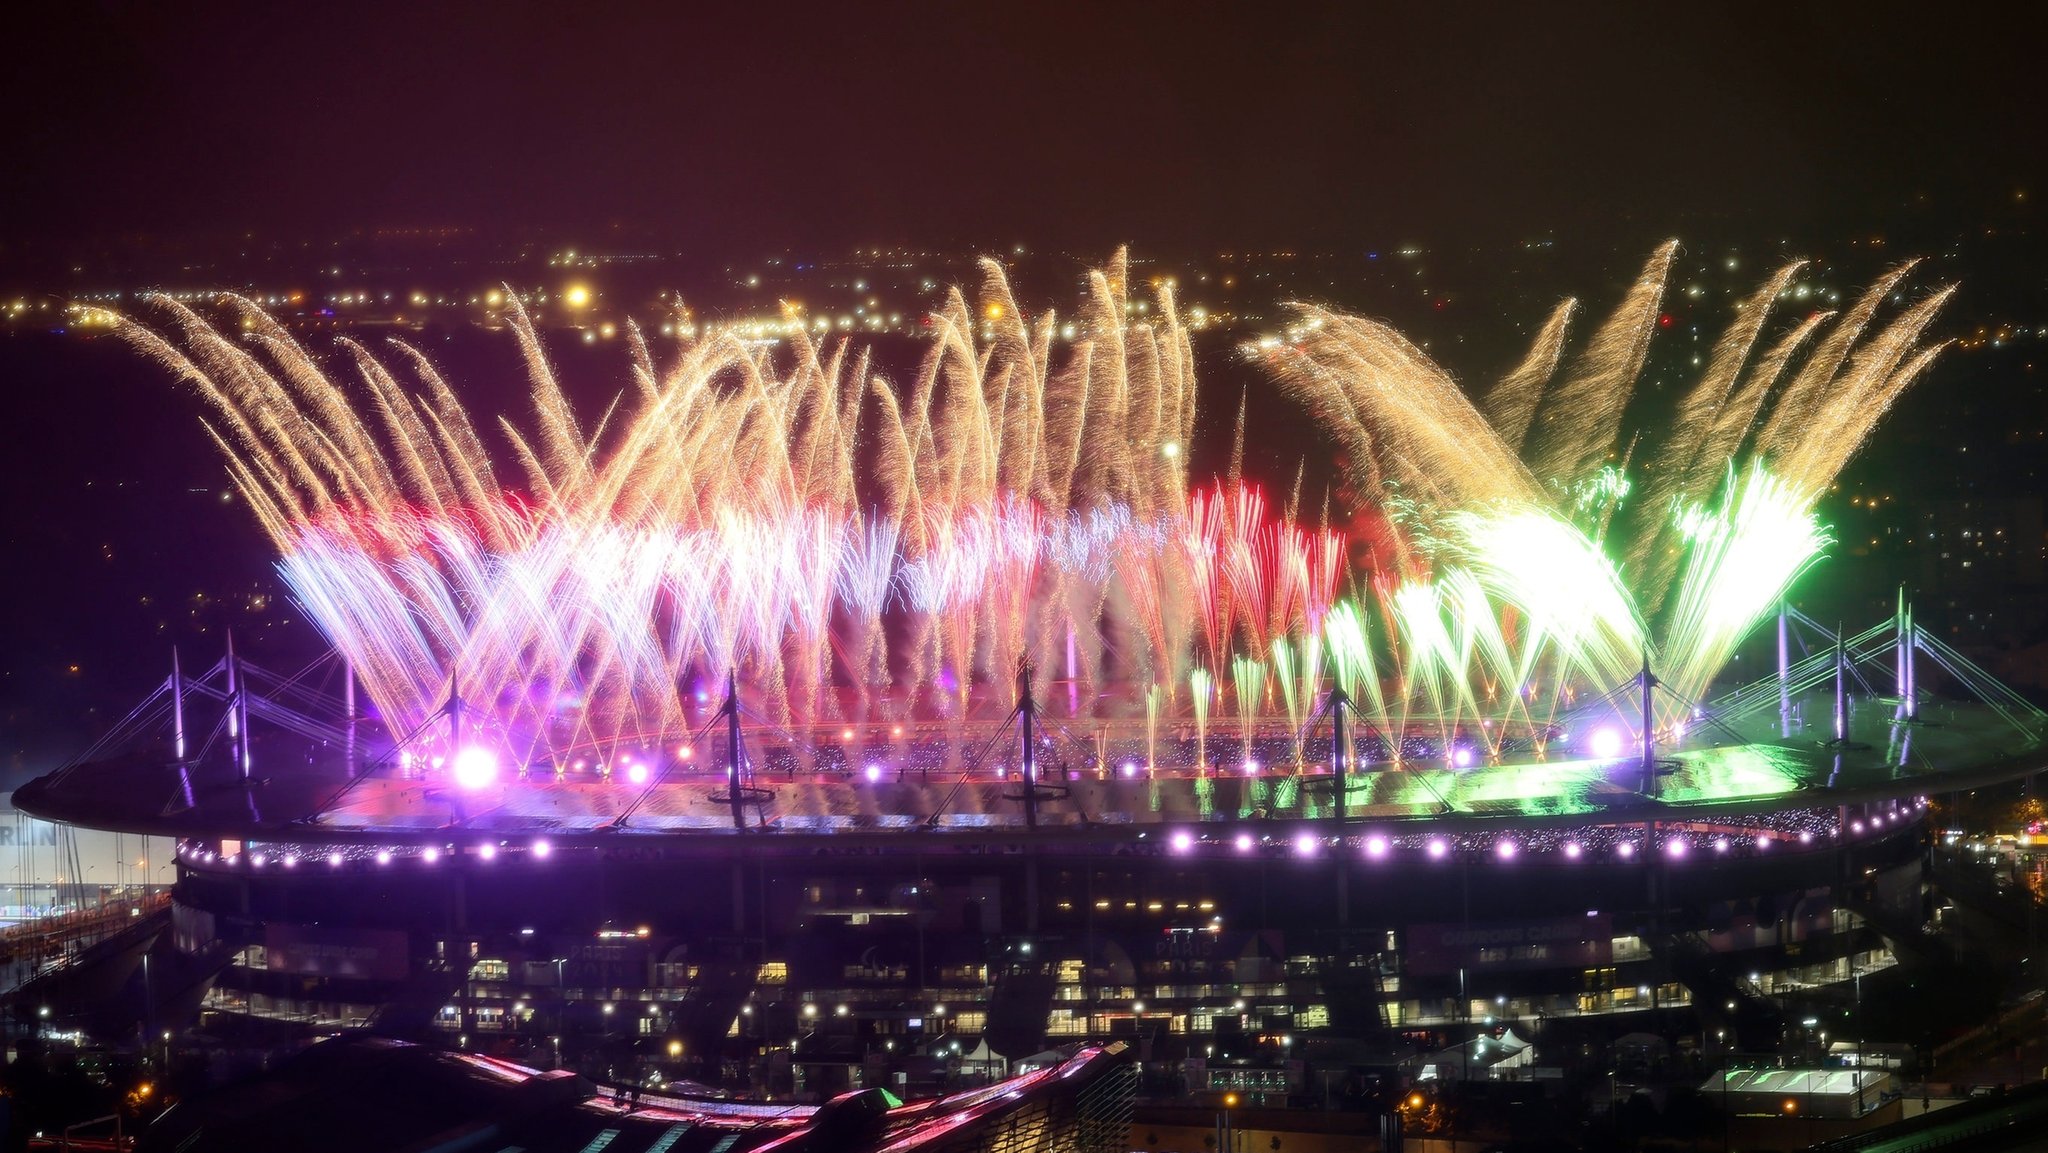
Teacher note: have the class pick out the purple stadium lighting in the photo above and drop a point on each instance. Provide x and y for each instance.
(1505, 850)
(1183, 841)
(1244, 842)
(383, 856)
(1130, 768)
(476, 767)
(637, 773)
(1462, 757)
(542, 848)
(1675, 846)
(430, 855)
(1606, 743)
(487, 851)
(1305, 845)
(1376, 846)
(1572, 850)
(1437, 849)
(1625, 850)
(334, 860)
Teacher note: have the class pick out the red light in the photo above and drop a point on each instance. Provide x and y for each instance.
(1663, 320)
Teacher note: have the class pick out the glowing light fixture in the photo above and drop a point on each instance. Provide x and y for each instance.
(476, 767)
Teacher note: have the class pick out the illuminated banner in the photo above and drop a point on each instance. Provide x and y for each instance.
(1559, 943)
(372, 954)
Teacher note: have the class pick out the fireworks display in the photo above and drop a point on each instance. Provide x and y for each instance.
(860, 550)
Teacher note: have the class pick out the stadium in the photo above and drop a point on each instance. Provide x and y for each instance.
(728, 753)
(835, 928)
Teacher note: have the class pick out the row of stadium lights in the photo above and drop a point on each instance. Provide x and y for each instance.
(1379, 847)
(539, 849)
(1376, 846)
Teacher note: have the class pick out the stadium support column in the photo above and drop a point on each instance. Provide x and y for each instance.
(454, 718)
(1841, 687)
(1784, 671)
(238, 712)
(234, 689)
(1649, 684)
(1027, 710)
(177, 708)
(1899, 647)
(1028, 761)
(732, 750)
(1338, 703)
(1907, 642)
(348, 714)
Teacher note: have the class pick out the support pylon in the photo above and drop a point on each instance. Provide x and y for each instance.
(1338, 703)
(732, 747)
(1649, 686)
(177, 708)
(1026, 710)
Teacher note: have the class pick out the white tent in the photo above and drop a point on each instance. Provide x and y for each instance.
(1481, 1058)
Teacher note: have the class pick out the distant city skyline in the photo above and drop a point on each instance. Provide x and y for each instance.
(1161, 125)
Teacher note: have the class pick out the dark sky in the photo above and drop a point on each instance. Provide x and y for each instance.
(762, 124)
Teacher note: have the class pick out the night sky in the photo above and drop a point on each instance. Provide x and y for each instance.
(734, 131)
(736, 125)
